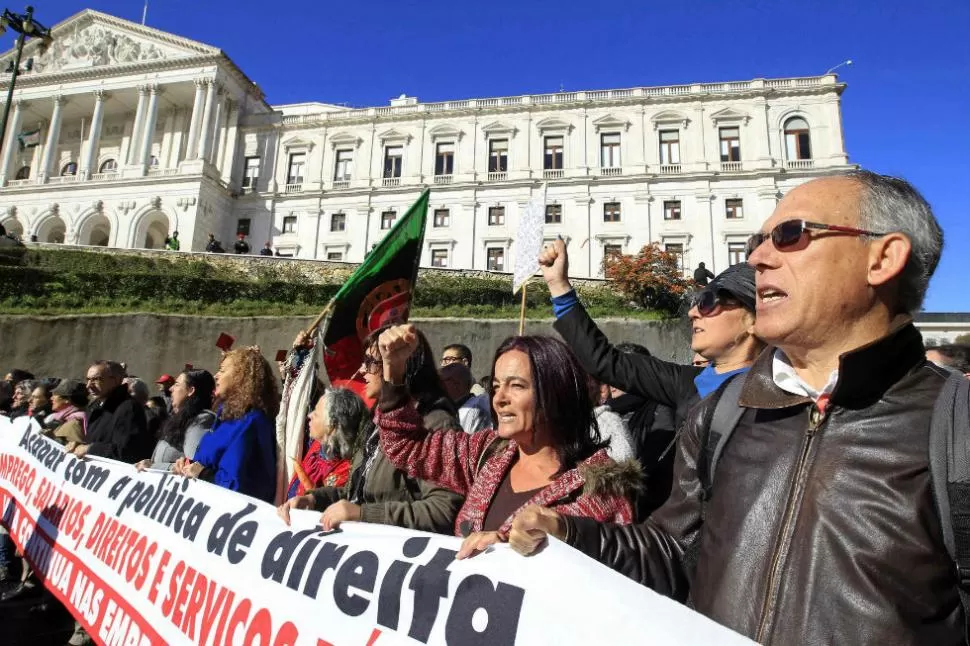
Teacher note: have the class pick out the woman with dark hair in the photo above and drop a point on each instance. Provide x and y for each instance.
(191, 419)
(240, 452)
(334, 425)
(545, 448)
(377, 492)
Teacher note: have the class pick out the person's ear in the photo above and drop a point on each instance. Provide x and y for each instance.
(887, 258)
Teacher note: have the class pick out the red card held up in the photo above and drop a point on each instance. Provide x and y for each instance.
(225, 342)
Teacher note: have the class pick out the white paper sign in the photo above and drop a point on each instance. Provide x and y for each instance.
(528, 242)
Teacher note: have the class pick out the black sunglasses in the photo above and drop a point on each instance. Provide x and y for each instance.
(790, 232)
(708, 302)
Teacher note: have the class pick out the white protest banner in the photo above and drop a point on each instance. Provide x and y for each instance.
(528, 241)
(149, 558)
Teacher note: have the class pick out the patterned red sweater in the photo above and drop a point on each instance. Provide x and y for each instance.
(597, 488)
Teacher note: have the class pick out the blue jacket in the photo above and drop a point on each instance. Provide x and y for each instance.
(242, 453)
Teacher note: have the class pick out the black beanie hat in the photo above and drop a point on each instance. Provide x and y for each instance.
(738, 281)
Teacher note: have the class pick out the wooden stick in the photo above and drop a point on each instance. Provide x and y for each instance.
(522, 312)
(301, 475)
(316, 323)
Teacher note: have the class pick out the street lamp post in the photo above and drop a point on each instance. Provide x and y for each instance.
(25, 25)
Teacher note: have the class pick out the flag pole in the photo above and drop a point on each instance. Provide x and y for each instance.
(522, 311)
(316, 323)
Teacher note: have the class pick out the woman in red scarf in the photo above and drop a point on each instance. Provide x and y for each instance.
(334, 426)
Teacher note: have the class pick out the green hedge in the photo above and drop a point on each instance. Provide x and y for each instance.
(45, 280)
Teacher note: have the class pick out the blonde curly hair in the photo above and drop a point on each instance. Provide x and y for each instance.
(255, 385)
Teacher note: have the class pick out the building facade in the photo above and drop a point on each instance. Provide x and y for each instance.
(142, 132)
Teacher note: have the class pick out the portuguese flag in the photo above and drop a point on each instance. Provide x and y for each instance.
(378, 292)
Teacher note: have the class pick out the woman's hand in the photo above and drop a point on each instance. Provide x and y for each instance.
(81, 450)
(297, 502)
(478, 542)
(531, 527)
(554, 263)
(188, 468)
(338, 512)
(303, 340)
(396, 344)
(179, 465)
(144, 464)
(70, 446)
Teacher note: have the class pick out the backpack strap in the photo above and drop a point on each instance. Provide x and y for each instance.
(724, 418)
(950, 473)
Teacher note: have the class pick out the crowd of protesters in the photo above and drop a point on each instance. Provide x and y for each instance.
(822, 526)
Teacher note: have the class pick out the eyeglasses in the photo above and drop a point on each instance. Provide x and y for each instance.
(790, 232)
(372, 365)
(708, 302)
(450, 359)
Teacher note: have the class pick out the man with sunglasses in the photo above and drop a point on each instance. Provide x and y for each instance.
(818, 524)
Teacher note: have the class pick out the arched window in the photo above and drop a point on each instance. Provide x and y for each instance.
(109, 166)
(23, 173)
(70, 168)
(798, 143)
(153, 162)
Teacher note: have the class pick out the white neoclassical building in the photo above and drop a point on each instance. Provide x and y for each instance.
(142, 132)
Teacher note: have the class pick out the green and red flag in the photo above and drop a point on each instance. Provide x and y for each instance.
(378, 292)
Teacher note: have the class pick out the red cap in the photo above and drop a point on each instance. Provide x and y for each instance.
(165, 379)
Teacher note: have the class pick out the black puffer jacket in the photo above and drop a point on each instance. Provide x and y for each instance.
(118, 429)
(822, 527)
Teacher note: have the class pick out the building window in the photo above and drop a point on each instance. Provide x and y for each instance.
(670, 146)
(242, 226)
(498, 155)
(393, 158)
(730, 144)
(153, 161)
(442, 218)
(798, 144)
(344, 166)
(295, 173)
(250, 172)
(496, 258)
(338, 222)
(677, 249)
(70, 168)
(737, 253)
(387, 219)
(733, 209)
(610, 150)
(289, 224)
(439, 257)
(108, 166)
(335, 255)
(553, 155)
(612, 251)
(611, 212)
(672, 210)
(23, 172)
(553, 214)
(496, 216)
(444, 159)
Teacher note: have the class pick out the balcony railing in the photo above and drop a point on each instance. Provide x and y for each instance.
(611, 171)
(162, 172)
(292, 188)
(341, 183)
(498, 176)
(552, 173)
(20, 182)
(108, 174)
(62, 179)
(800, 164)
(442, 179)
(730, 167)
(391, 181)
(669, 169)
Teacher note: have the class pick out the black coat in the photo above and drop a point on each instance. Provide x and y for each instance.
(118, 428)
(667, 383)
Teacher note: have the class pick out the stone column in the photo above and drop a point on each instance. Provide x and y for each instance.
(148, 127)
(94, 137)
(53, 134)
(214, 136)
(134, 147)
(13, 129)
(167, 134)
(193, 141)
(229, 154)
(205, 138)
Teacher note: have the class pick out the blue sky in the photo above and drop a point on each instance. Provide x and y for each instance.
(906, 110)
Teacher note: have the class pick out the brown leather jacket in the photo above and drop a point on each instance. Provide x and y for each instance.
(821, 528)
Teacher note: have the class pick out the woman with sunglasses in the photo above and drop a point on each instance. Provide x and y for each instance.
(722, 331)
(378, 492)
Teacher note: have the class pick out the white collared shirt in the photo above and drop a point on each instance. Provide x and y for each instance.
(785, 377)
